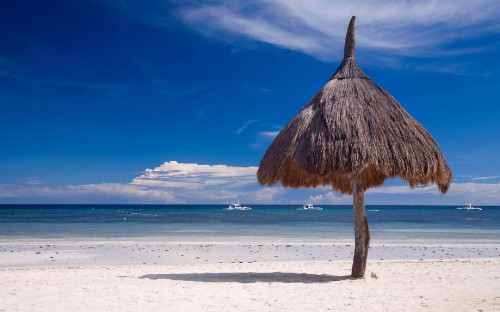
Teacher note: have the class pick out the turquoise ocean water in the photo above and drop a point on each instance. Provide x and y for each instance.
(438, 224)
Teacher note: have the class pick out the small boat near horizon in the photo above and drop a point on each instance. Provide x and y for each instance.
(310, 207)
(237, 207)
(468, 207)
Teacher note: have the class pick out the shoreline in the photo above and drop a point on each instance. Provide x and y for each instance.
(143, 251)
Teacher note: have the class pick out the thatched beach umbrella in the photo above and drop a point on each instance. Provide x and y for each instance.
(352, 135)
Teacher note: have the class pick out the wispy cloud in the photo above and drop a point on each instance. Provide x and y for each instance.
(455, 188)
(221, 18)
(30, 181)
(169, 90)
(20, 73)
(245, 126)
(485, 178)
(404, 189)
(487, 189)
(86, 193)
(263, 138)
(317, 27)
(126, 190)
(269, 134)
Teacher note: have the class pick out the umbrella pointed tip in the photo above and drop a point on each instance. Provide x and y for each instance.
(350, 39)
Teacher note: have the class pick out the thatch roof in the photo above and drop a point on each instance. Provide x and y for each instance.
(352, 127)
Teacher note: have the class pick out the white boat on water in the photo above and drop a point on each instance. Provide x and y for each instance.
(469, 207)
(237, 207)
(310, 207)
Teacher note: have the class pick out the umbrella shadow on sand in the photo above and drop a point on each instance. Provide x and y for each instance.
(250, 277)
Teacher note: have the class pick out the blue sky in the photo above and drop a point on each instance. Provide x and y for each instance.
(177, 101)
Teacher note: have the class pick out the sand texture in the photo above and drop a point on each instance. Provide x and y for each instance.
(234, 277)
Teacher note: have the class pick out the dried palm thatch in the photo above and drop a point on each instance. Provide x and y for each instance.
(352, 126)
(352, 135)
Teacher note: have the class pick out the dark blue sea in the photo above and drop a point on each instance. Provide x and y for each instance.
(388, 224)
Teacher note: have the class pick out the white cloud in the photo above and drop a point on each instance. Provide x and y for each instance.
(243, 128)
(404, 189)
(269, 134)
(220, 17)
(171, 182)
(479, 188)
(331, 198)
(480, 193)
(268, 195)
(317, 27)
(87, 193)
(174, 183)
(31, 181)
(455, 189)
(127, 190)
(194, 176)
(485, 178)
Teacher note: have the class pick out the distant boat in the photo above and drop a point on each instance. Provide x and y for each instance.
(310, 207)
(469, 207)
(237, 207)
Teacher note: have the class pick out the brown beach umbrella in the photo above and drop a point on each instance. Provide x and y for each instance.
(352, 135)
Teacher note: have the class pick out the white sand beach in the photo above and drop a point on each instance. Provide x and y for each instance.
(154, 276)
